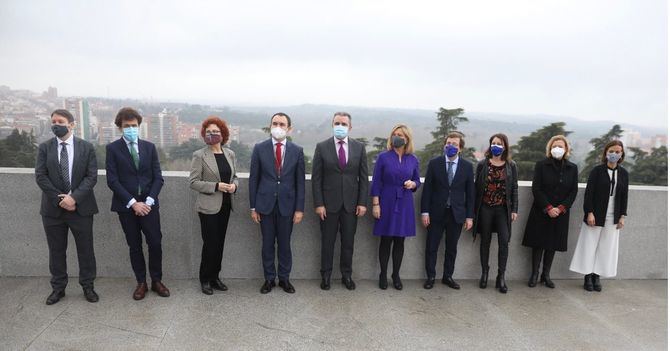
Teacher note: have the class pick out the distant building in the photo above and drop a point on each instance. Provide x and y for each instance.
(162, 129)
(82, 116)
(108, 132)
(51, 93)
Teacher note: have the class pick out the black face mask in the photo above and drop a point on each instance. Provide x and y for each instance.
(59, 130)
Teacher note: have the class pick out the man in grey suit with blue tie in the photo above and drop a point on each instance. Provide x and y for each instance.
(277, 198)
(340, 190)
(66, 170)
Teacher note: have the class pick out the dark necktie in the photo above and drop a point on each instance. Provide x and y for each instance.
(278, 158)
(65, 167)
(136, 161)
(342, 157)
(450, 172)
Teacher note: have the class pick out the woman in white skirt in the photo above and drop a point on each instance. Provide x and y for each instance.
(605, 202)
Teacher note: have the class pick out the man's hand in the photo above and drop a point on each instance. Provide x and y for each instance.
(468, 224)
(141, 209)
(255, 216)
(425, 219)
(321, 212)
(67, 202)
(361, 210)
(297, 217)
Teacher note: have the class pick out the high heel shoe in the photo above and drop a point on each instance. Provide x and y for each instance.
(383, 282)
(532, 281)
(500, 282)
(544, 278)
(483, 281)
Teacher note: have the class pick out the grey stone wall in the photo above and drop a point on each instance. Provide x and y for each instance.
(23, 248)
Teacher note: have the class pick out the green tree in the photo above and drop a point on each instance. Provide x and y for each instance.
(650, 168)
(185, 150)
(448, 121)
(378, 145)
(19, 149)
(242, 154)
(593, 157)
(531, 148)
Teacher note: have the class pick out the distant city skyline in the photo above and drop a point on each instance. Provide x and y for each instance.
(595, 60)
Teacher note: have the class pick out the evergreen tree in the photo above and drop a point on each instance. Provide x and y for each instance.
(448, 121)
(532, 148)
(19, 149)
(650, 168)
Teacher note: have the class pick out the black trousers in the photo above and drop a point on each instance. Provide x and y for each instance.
(276, 228)
(213, 229)
(493, 219)
(56, 229)
(398, 243)
(345, 223)
(452, 230)
(134, 226)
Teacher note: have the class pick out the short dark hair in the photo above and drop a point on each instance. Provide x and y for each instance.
(282, 114)
(609, 145)
(65, 113)
(506, 155)
(459, 135)
(343, 114)
(127, 114)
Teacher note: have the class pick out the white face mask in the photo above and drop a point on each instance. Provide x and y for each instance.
(557, 152)
(278, 133)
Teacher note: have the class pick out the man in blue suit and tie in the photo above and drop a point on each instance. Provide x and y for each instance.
(277, 198)
(447, 204)
(134, 175)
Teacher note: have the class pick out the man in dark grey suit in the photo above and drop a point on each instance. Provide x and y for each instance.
(340, 190)
(66, 170)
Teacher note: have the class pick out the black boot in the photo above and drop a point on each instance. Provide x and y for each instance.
(596, 282)
(383, 281)
(535, 267)
(484, 279)
(500, 282)
(546, 269)
(588, 282)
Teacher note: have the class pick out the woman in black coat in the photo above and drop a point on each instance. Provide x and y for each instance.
(605, 204)
(554, 191)
(496, 205)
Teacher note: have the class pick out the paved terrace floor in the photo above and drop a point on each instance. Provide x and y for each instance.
(627, 315)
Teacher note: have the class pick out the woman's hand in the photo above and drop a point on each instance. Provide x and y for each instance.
(590, 219)
(409, 185)
(621, 223)
(376, 211)
(514, 216)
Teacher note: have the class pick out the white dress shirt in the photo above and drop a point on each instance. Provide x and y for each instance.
(150, 201)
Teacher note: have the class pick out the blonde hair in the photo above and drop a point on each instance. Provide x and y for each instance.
(556, 138)
(409, 145)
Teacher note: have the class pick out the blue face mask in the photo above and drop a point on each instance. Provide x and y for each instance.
(340, 132)
(130, 133)
(450, 150)
(497, 150)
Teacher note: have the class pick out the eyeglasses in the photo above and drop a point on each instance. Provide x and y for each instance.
(212, 132)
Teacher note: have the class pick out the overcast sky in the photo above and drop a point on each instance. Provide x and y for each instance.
(594, 60)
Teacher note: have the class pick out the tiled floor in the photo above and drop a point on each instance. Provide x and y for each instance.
(627, 315)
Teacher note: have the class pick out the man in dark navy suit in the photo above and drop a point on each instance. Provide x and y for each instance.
(66, 170)
(134, 175)
(447, 204)
(277, 198)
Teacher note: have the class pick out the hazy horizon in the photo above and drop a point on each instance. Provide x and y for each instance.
(593, 61)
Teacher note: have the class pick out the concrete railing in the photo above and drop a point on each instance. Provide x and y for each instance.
(23, 248)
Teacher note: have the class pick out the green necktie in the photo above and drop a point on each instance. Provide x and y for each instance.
(136, 161)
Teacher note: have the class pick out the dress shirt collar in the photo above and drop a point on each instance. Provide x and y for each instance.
(68, 141)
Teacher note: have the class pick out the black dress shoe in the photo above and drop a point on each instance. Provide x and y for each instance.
(449, 281)
(207, 288)
(91, 295)
(596, 282)
(532, 281)
(428, 284)
(55, 296)
(397, 283)
(267, 286)
(325, 283)
(383, 282)
(287, 286)
(218, 285)
(544, 278)
(588, 282)
(348, 283)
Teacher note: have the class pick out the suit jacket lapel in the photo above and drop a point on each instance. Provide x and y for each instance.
(459, 170)
(77, 163)
(331, 152)
(288, 156)
(443, 171)
(210, 162)
(125, 151)
(53, 165)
